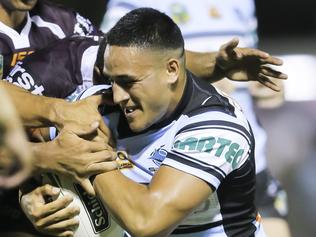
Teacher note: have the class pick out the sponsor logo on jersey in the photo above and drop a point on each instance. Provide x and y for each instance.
(19, 56)
(221, 147)
(83, 26)
(157, 156)
(98, 215)
(18, 76)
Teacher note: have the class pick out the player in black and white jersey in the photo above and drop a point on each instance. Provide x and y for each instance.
(76, 59)
(223, 20)
(194, 146)
(26, 26)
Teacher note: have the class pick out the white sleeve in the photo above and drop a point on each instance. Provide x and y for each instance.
(210, 151)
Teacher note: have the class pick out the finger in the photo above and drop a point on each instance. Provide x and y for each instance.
(268, 71)
(102, 167)
(86, 185)
(63, 214)
(97, 159)
(100, 136)
(102, 156)
(272, 60)
(230, 45)
(69, 224)
(255, 53)
(98, 146)
(49, 190)
(266, 81)
(55, 206)
(66, 234)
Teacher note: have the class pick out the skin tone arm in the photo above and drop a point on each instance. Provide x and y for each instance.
(137, 207)
(238, 64)
(81, 148)
(12, 155)
(56, 112)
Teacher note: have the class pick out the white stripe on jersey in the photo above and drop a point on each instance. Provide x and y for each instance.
(54, 28)
(87, 65)
(19, 40)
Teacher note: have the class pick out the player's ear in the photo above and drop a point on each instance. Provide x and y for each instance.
(173, 70)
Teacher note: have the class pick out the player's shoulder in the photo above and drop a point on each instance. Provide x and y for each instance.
(66, 19)
(50, 10)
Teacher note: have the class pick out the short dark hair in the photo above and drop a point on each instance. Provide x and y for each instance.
(146, 28)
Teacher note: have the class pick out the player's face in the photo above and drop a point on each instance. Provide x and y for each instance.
(18, 5)
(140, 85)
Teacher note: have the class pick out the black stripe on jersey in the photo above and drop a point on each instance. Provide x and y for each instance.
(199, 162)
(195, 126)
(207, 169)
(186, 229)
(214, 108)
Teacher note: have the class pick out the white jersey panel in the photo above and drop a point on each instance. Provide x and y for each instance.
(54, 28)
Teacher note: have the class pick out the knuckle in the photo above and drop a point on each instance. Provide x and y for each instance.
(35, 214)
(75, 222)
(47, 187)
(39, 224)
(65, 202)
(75, 210)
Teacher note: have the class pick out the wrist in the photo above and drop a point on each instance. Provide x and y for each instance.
(40, 153)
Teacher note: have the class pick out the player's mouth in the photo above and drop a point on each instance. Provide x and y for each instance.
(130, 111)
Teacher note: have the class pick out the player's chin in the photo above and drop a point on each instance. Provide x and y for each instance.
(26, 5)
(137, 126)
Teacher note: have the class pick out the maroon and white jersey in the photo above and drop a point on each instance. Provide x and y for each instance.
(46, 23)
(60, 70)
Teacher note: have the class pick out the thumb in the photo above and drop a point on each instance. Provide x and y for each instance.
(104, 98)
(87, 186)
(229, 49)
(231, 45)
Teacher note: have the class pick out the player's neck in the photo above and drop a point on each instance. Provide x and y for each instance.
(178, 93)
(13, 19)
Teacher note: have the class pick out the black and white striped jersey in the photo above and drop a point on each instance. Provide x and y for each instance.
(44, 24)
(208, 137)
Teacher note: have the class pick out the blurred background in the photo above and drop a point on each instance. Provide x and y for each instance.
(287, 29)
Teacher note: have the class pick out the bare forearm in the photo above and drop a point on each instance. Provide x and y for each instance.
(134, 206)
(35, 111)
(203, 65)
